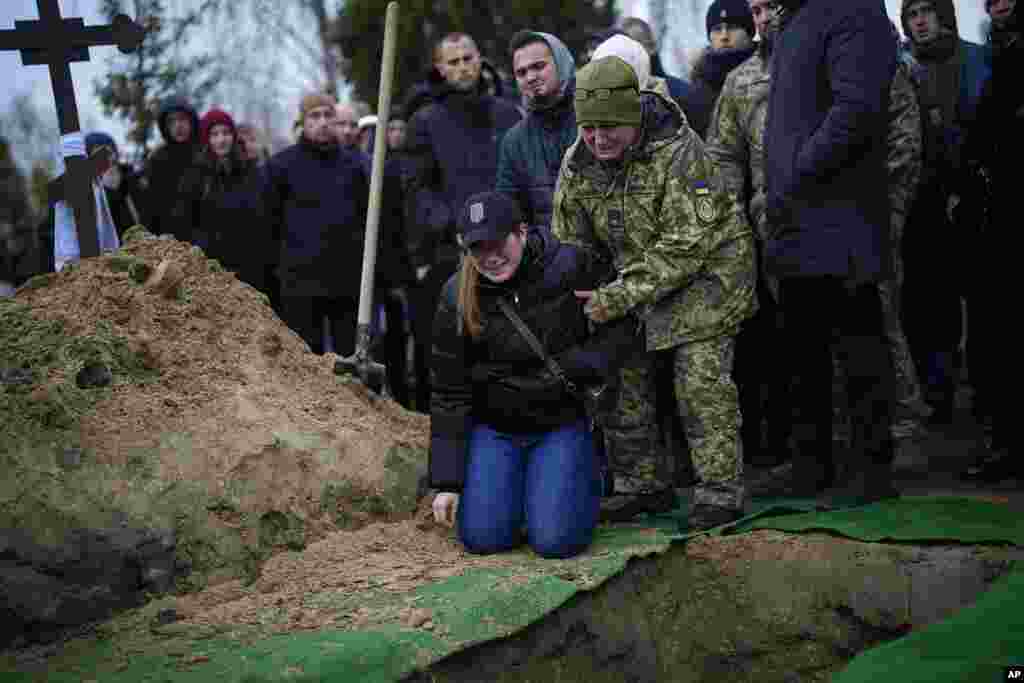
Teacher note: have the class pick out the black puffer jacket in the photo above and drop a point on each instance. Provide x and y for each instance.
(497, 379)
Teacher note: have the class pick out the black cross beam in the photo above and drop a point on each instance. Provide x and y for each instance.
(56, 42)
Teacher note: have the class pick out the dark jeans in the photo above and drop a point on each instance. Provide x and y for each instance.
(819, 314)
(551, 482)
(305, 315)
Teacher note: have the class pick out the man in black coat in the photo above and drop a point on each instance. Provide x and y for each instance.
(161, 179)
(828, 210)
(315, 196)
(453, 145)
(996, 143)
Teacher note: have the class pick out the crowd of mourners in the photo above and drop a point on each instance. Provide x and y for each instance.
(605, 283)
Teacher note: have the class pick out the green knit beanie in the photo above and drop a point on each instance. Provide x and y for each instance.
(607, 93)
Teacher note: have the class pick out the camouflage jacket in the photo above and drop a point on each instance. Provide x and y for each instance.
(906, 144)
(683, 254)
(736, 136)
(736, 139)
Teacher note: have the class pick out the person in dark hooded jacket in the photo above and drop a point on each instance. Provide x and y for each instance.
(949, 73)
(532, 150)
(452, 150)
(179, 126)
(730, 27)
(510, 444)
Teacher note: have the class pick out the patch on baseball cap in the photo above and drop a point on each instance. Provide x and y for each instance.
(488, 216)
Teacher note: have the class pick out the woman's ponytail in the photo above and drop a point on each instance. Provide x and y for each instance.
(469, 297)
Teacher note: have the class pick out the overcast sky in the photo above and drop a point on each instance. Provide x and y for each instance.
(16, 79)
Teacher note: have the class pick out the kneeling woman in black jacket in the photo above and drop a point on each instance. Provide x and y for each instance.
(510, 441)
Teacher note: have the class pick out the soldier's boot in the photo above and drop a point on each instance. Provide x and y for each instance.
(704, 517)
(715, 504)
(623, 507)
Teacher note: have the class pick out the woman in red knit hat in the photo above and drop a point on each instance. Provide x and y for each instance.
(213, 194)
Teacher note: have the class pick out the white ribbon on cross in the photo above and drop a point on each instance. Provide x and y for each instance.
(65, 236)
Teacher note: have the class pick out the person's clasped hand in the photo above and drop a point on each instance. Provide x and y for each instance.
(592, 307)
(446, 505)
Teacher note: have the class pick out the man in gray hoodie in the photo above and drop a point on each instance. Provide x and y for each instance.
(532, 150)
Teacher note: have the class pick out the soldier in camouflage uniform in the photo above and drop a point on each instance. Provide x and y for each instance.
(906, 147)
(736, 144)
(15, 220)
(638, 188)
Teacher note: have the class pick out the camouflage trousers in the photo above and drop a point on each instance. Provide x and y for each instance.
(908, 387)
(708, 406)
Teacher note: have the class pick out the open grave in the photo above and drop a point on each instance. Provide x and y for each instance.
(190, 495)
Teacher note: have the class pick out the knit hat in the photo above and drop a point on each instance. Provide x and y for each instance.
(488, 216)
(628, 50)
(944, 9)
(731, 12)
(98, 139)
(314, 100)
(213, 118)
(607, 92)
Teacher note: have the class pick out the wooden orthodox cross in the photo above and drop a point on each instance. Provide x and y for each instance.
(56, 42)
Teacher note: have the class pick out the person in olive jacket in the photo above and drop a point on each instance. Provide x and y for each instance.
(510, 441)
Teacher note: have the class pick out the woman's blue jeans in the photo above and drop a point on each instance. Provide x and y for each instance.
(548, 482)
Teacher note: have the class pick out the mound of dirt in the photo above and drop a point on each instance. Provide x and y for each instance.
(151, 388)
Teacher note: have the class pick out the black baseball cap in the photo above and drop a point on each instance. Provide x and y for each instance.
(488, 216)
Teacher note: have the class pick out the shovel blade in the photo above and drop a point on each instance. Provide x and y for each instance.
(366, 370)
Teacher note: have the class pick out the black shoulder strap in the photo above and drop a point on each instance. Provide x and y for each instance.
(553, 367)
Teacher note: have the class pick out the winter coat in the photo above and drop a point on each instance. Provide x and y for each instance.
(314, 200)
(163, 173)
(682, 250)
(944, 140)
(826, 142)
(531, 155)
(453, 146)
(707, 80)
(497, 379)
(735, 139)
(209, 200)
(531, 152)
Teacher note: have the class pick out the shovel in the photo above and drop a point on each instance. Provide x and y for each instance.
(360, 364)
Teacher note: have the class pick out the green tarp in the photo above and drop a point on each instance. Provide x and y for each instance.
(483, 604)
